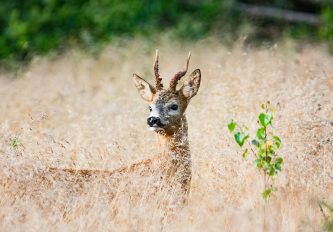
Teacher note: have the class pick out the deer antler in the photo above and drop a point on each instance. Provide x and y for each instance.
(179, 75)
(159, 85)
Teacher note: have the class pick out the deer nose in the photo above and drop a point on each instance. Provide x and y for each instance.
(151, 121)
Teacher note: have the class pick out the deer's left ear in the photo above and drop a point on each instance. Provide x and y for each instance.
(192, 84)
(145, 89)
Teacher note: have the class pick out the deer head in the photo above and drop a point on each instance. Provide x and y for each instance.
(167, 106)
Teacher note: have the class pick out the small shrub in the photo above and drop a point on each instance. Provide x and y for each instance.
(14, 142)
(327, 211)
(264, 147)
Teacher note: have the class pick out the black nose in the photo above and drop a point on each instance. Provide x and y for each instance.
(151, 121)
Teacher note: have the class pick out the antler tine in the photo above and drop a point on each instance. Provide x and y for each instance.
(179, 75)
(159, 84)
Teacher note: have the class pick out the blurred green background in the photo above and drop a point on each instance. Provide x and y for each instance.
(35, 27)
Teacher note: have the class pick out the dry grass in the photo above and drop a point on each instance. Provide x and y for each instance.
(83, 112)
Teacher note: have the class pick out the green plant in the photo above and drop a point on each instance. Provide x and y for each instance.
(264, 147)
(327, 211)
(14, 142)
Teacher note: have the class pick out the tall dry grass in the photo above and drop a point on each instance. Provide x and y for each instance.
(80, 111)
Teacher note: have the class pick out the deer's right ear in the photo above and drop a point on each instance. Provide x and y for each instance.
(145, 89)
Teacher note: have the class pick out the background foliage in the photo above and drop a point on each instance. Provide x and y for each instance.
(30, 27)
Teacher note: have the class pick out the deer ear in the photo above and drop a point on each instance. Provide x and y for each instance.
(145, 89)
(192, 84)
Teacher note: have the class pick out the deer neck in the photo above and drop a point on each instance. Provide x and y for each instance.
(178, 157)
(176, 145)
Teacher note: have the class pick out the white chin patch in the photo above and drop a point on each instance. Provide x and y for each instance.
(151, 128)
(156, 129)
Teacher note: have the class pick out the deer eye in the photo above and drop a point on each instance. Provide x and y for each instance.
(149, 108)
(174, 107)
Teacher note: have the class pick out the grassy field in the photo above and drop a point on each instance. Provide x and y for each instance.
(79, 111)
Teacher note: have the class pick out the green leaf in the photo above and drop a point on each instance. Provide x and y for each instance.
(245, 153)
(271, 171)
(276, 141)
(261, 133)
(271, 150)
(265, 119)
(261, 153)
(279, 160)
(278, 163)
(255, 143)
(266, 193)
(240, 138)
(268, 159)
(258, 163)
(262, 146)
(277, 166)
(266, 164)
(231, 126)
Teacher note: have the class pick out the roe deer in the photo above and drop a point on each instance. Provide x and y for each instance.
(167, 118)
(173, 166)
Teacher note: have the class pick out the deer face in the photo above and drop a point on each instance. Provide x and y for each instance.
(167, 106)
(166, 111)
